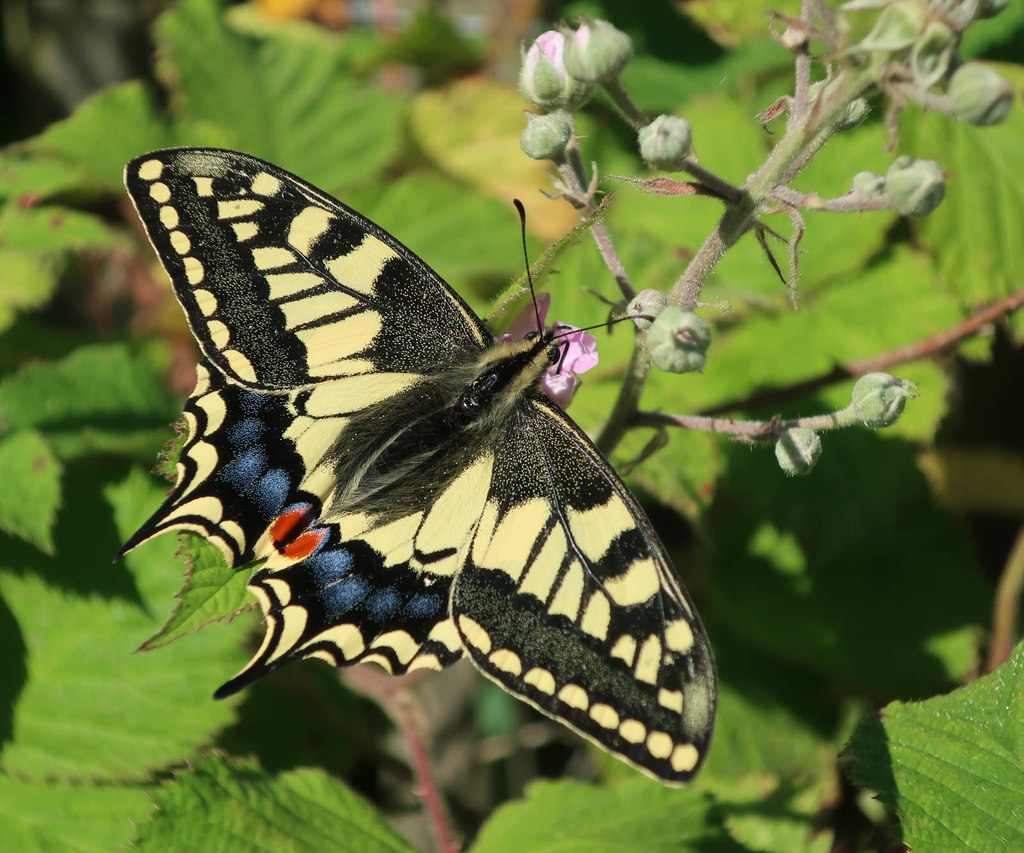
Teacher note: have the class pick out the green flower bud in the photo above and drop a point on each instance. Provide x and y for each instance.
(879, 398)
(897, 28)
(856, 111)
(646, 304)
(678, 340)
(956, 14)
(665, 141)
(930, 56)
(797, 450)
(597, 51)
(545, 137)
(915, 187)
(991, 8)
(980, 95)
(868, 185)
(543, 80)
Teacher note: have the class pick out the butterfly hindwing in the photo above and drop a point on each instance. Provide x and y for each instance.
(378, 588)
(568, 601)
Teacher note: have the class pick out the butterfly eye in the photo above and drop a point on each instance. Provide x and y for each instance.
(555, 353)
(531, 336)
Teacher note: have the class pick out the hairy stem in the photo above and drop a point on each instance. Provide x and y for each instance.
(1007, 605)
(623, 414)
(574, 176)
(750, 430)
(624, 104)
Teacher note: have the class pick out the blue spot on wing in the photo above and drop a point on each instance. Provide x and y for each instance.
(383, 604)
(327, 567)
(424, 605)
(344, 594)
(271, 492)
(251, 402)
(247, 432)
(245, 468)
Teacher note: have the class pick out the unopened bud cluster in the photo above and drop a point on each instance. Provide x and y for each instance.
(921, 37)
(558, 75)
(645, 307)
(913, 187)
(879, 399)
(665, 141)
(980, 95)
(797, 450)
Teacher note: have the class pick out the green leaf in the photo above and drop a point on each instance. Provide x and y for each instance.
(289, 100)
(52, 228)
(212, 591)
(101, 397)
(470, 130)
(32, 279)
(88, 708)
(952, 766)
(73, 818)
(31, 493)
(835, 558)
(773, 816)
(975, 233)
(105, 132)
(729, 20)
(475, 241)
(773, 717)
(639, 815)
(27, 178)
(228, 805)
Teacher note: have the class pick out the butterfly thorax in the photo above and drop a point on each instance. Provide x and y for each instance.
(388, 463)
(506, 371)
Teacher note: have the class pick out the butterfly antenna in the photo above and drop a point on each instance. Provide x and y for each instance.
(611, 321)
(526, 259)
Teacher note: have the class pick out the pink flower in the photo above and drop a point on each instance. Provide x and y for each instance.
(579, 350)
(552, 46)
(542, 78)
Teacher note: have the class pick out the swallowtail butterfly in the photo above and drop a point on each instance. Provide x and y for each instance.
(410, 495)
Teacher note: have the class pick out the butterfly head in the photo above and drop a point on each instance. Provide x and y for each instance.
(506, 372)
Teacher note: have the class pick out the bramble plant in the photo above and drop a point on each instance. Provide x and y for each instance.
(899, 52)
(805, 222)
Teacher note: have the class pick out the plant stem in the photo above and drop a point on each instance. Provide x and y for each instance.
(803, 139)
(624, 104)
(574, 177)
(750, 430)
(1007, 605)
(623, 414)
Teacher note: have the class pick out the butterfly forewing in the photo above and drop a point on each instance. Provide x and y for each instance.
(282, 285)
(397, 510)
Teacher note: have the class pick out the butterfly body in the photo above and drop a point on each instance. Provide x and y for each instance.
(408, 492)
